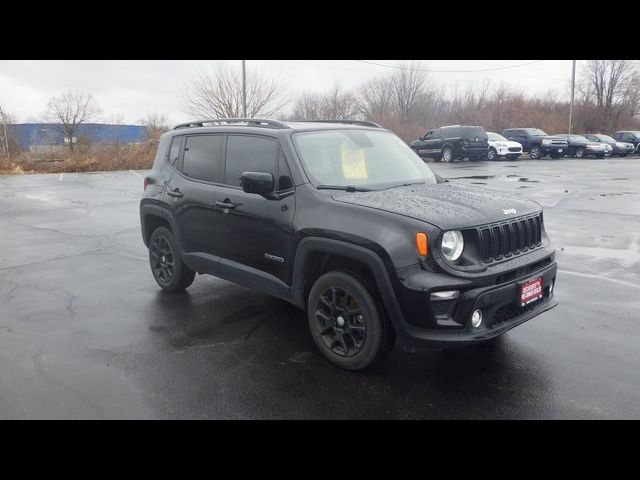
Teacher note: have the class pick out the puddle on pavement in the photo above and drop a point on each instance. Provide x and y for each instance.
(626, 257)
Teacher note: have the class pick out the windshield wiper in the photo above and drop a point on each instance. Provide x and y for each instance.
(346, 188)
(408, 184)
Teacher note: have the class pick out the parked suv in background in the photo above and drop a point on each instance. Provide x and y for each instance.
(501, 147)
(580, 146)
(449, 143)
(537, 142)
(343, 220)
(617, 148)
(629, 136)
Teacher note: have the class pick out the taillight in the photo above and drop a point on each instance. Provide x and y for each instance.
(146, 182)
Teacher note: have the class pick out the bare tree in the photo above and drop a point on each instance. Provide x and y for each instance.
(408, 89)
(308, 106)
(70, 110)
(609, 91)
(6, 120)
(156, 125)
(374, 98)
(218, 94)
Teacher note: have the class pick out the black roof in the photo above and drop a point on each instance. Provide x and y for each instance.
(299, 125)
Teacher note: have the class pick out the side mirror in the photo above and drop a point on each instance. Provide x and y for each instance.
(260, 183)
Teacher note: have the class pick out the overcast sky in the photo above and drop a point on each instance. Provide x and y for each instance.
(134, 89)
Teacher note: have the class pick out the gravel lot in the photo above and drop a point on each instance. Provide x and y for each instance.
(86, 333)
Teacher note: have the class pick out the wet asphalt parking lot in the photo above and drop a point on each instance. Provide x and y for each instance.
(86, 333)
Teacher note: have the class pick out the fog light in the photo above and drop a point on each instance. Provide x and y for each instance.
(476, 318)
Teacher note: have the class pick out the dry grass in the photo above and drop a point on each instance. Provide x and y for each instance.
(86, 159)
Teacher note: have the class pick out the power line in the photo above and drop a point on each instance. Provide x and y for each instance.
(399, 67)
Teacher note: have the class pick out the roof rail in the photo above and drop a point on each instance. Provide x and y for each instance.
(257, 122)
(364, 123)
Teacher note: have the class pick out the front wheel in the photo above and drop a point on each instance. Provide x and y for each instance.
(535, 153)
(347, 324)
(492, 154)
(579, 152)
(167, 267)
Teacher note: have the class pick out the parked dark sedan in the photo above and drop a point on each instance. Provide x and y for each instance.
(617, 148)
(630, 136)
(580, 147)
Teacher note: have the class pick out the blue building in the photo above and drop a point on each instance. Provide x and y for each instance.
(30, 135)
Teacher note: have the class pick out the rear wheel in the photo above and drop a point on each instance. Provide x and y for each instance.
(167, 267)
(535, 153)
(346, 322)
(492, 154)
(447, 154)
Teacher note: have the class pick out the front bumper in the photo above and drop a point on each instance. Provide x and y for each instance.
(451, 325)
(555, 149)
(507, 152)
(624, 150)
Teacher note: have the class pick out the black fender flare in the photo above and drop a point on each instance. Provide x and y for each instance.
(156, 209)
(358, 253)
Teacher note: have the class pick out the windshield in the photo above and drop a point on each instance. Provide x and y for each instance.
(604, 138)
(364, 158)
(536, 132)
(494, 137)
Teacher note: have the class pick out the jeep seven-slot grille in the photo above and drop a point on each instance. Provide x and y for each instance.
(510, 238)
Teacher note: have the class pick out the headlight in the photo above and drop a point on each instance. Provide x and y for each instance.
(452, 244)
(546, 141)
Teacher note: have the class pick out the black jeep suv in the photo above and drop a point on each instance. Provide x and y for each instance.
(449, 143)
(537, 143)
(343, 220)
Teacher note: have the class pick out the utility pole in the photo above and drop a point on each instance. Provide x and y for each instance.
(6, 138)
(244, 90)
(573, 92)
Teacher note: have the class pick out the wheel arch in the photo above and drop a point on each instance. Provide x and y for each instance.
(317, 255)
(153, 216)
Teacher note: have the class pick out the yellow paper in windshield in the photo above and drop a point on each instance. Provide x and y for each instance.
(354, 166)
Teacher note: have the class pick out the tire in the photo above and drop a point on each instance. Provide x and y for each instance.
(447, 155)
(535, 152)
(579, 153)
(346, 321)
(492, 154)
(168, 269)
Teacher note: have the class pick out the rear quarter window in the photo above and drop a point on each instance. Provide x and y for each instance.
(472, 132)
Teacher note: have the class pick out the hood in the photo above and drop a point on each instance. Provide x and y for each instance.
(445, 205)
(508, 143)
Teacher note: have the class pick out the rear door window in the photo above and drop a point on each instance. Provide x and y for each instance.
(203, 156)
(249, 154)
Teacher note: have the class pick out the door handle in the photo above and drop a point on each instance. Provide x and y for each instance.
(226, 204)
(175, 193)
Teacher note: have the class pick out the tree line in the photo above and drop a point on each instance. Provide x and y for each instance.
(406, 101)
